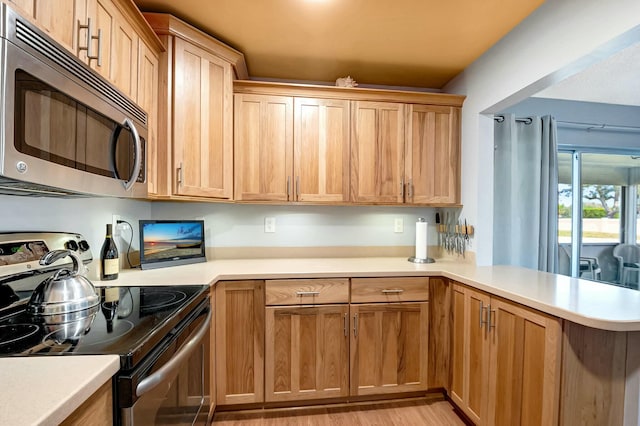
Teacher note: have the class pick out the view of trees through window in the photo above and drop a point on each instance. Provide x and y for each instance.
(600, 213)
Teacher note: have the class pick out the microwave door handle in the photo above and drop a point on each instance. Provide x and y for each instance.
(176, 361)
(138, 154)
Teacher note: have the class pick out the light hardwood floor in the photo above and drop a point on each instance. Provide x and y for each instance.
(424, 412)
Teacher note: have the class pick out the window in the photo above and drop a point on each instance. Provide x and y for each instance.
(606, 219)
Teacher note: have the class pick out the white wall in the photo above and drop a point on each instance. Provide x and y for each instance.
(227, 225)
(87, 216)
(242, 225)
(559, 39)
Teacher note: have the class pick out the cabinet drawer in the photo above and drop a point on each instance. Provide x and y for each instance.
(307, 292)
(389, 289)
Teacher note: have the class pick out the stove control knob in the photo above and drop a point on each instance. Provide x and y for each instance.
(84, 245)
(71, 245)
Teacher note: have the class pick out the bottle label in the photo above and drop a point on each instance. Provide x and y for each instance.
(111, 266)
(111, 294)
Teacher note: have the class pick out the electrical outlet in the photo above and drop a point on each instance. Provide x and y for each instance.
(270, 224)
(115, 228)
(398, 225)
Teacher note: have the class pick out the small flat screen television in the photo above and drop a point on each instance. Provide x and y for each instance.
(171, 242)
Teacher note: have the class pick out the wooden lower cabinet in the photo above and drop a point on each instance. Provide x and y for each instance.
(505, 361)
(470, 353)
(307, 352)
(439, 360)
(239, 342)
(97, 410)
(389, 348)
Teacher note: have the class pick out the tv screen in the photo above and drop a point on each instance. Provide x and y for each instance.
(171, 242)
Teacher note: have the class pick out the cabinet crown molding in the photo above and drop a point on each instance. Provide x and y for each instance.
(346, 93)
(166, 24)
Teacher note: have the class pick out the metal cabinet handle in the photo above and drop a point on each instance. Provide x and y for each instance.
(346, 325)
(402, 188)
(89, 40)
(492, 317)
(410, 189)
(297, 188)
(288, 187)
(355, 325)
(393, 291)
(481, 311)
(176, 362)
(307, 293)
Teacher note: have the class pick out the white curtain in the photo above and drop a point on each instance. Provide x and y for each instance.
(525, 223)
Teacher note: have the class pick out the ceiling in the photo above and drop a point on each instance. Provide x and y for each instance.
(414, 43)
(614, 80)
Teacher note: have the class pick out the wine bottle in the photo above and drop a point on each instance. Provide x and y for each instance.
(109, 262)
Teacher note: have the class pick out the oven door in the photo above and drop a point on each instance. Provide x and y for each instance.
(172, 387)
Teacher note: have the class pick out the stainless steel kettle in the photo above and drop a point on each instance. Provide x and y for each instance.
(65, 291)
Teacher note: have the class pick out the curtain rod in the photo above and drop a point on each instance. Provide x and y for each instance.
(588, 126)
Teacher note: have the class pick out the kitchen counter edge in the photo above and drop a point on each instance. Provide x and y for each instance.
(584, 302)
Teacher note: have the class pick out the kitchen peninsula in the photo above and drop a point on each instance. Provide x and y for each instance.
(591, 381)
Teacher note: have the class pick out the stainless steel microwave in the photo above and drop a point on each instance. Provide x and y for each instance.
(64, 130)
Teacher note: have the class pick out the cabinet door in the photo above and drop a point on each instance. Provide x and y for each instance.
(239, 342)
(124, 55)
(525, 366)
(59, 19)
(377, 151)
(263, 147)
(470, 353)
(307, 352)
(432, 155)
(439, 333)
(389, 348)
(202, 120)
(321, 150)
(148, 99)
(103, 18)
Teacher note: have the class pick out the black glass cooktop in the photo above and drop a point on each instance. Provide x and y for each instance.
(129, 322)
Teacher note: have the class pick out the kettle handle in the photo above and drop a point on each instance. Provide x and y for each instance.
(56, 255)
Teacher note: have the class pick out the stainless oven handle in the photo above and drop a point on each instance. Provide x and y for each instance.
(138, 154)
(176, 361)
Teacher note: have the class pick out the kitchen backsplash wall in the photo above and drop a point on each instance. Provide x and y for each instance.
(226, 225)
(87, 216)
(243, 225)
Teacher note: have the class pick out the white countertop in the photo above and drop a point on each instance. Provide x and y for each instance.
(584, 302)
(45, 390)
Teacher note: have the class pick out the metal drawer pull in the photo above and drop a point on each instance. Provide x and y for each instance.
(307, 293)
(393, 291)
(177, 361)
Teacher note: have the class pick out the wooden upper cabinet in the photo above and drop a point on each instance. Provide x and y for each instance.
(377, 152)
(321, 150)
(263, 147)
(432, 155)
(194, 156)
(147, 96)
(202, 120)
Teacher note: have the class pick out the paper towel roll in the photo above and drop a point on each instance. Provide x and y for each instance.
(421, 239)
